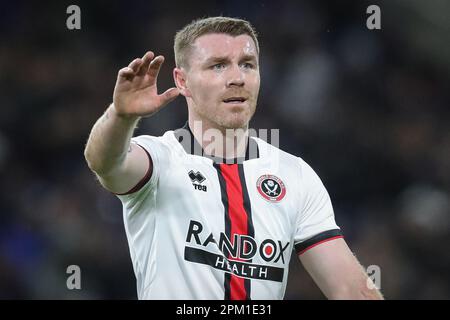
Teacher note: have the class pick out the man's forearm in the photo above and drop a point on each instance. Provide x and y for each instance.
(109, 141)
(357, 286)
(358, 293)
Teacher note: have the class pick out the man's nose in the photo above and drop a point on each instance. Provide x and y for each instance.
(236, 77)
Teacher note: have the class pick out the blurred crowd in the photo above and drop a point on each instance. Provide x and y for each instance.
(369, 110)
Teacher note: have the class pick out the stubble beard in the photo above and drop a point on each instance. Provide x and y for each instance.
(230, 119)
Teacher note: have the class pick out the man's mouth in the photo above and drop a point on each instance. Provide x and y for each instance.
(235, 100)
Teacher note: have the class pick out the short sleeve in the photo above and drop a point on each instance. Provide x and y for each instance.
(315, 220)
(147, 185)
(140, 211)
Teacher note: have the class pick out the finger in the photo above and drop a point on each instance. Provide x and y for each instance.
(146, 59)
(126, 72)
(135, 64)
(169, 95)
(154, 67)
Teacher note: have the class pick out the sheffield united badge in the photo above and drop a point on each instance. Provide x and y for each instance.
(271, 188)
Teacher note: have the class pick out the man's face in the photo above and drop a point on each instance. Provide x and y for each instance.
(223, 79)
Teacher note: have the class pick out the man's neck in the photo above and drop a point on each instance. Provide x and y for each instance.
(220, 142)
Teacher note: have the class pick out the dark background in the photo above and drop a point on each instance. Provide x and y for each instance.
(369, 110)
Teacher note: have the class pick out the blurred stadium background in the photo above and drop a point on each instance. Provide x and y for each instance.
(369, 110)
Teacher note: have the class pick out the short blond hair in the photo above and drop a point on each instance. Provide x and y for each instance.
(185, 38)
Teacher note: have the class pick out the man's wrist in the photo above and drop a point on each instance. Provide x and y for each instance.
(122, 117)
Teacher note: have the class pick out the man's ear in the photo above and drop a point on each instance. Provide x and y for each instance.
(179, 76)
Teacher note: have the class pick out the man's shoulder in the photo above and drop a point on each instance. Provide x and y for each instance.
(268, 150)
(274, 153)
(146, 138)
(157, 145)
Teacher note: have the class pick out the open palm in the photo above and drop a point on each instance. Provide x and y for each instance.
(136, 93)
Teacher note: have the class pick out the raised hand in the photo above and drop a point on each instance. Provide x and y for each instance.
(136, 93)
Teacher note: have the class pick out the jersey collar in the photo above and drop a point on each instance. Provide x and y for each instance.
(187, 140)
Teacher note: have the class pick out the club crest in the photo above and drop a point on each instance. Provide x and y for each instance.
(271, 188)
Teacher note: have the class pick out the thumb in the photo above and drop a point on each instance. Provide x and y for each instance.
(169, 95)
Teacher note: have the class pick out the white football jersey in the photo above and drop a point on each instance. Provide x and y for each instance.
(201, 229)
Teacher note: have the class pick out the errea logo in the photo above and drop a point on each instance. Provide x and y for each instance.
(197, 179)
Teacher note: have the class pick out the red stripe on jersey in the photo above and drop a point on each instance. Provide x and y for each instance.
(238, 218)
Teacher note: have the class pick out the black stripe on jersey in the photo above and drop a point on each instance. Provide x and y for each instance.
(227, 286)
(244, 269)
(248, 210)
(224, 196)
(321, 237)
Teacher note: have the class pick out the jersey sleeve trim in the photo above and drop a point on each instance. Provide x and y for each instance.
(325, 236)
(144, 180)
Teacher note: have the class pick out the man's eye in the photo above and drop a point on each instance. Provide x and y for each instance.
(218, 66)
(248, 65)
